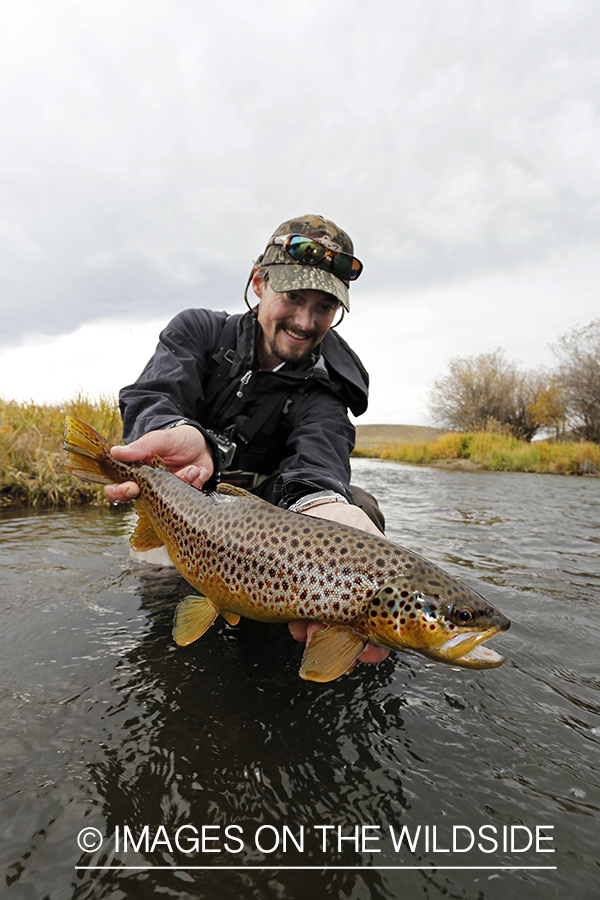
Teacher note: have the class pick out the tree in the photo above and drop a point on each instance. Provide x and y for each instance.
(578, 353)
(489, 393)
(550, 407)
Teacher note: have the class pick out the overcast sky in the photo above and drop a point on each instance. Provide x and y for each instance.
(149, 148)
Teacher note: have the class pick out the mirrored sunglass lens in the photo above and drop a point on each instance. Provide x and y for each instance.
(306, 251)
(346, 267)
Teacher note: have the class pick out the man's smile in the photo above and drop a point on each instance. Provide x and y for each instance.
(296, 335)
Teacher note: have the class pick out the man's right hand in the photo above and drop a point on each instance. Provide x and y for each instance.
(183, 450)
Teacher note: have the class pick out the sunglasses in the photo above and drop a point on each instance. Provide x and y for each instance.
(312, 253)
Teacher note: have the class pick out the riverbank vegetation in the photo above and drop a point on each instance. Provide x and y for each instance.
(494, 452)
(32, 469)
(487, 392)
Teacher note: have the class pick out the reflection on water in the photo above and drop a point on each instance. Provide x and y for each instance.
(106, 724)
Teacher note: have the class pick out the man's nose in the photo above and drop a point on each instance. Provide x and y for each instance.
(304, 317)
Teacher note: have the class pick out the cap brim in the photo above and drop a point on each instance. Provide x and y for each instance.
(298, 277)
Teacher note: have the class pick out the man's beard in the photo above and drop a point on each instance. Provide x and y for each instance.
(288, 353)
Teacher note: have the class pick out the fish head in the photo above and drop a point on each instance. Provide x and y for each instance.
(436, 615)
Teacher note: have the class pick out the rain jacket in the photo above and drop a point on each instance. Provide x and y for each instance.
(313, 438)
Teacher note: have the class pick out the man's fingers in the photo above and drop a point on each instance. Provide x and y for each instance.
(373, 654)
(127, 452)
(121, 493)
(197, 476)
(298, 630)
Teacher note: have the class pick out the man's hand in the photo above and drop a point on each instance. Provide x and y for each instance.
(345, 513)
(349, 515)
(182, 449)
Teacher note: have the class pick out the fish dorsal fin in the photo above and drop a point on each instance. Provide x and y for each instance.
(193, 617)
(331, 653)
(144, 537)
(231, 618)
(231, 490)
(158, 463)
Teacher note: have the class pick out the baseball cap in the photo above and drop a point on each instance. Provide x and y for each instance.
(288, 274)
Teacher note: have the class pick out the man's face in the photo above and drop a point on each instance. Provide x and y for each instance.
(293, 323)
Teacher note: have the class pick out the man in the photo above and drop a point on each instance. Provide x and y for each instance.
(261, 400)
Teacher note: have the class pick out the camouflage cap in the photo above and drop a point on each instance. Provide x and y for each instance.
(287, 274)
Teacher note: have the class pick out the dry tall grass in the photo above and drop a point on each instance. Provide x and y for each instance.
(31, 456)
(32, 459)
(497, 453)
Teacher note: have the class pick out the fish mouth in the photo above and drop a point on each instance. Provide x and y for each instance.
(467, 650)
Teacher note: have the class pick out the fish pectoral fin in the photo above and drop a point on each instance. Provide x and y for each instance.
(331, 652)
(145, 537)
(193, 617)
(230, 618)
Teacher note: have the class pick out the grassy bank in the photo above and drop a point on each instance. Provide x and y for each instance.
(494, 452)
(32, 459)
(31, 456)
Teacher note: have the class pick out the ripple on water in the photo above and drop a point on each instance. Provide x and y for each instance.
(105, 722)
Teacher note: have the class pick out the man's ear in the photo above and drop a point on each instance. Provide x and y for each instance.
(257, 284)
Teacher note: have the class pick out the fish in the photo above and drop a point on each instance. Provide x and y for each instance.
(249, 558)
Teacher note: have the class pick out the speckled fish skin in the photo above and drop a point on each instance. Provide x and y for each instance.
(253, 559)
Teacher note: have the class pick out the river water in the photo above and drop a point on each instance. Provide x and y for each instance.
(214, 770)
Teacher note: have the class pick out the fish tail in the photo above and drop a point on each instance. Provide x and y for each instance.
(89, 455)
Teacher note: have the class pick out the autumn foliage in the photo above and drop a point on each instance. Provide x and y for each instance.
(489, 393)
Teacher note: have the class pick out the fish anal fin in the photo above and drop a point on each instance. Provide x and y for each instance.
(331, 652)
(230, 618)
(193, 617)
(145, 536)
(158, 463)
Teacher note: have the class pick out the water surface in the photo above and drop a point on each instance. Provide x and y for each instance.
(106, 724)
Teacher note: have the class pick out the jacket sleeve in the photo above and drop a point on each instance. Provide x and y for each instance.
(318, 450)
(170, 387)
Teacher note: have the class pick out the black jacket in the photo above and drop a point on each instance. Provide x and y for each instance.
(314, 437)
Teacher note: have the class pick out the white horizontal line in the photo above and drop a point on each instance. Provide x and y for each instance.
(320, 868)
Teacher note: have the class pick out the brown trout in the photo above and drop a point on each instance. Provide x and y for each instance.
(250, 558)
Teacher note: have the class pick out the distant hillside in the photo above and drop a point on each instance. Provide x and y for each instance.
(386, 435)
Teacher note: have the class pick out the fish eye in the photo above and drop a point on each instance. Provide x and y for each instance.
(464, 615)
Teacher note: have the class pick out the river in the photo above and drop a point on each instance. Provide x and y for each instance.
(131, 768)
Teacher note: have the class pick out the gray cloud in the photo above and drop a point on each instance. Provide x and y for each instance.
(149, 149)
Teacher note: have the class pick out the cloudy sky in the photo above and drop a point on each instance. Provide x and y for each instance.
(149, 148)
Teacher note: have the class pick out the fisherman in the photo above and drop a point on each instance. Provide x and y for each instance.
(260, 400)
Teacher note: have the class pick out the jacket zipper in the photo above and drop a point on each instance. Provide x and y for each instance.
(244, 381)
